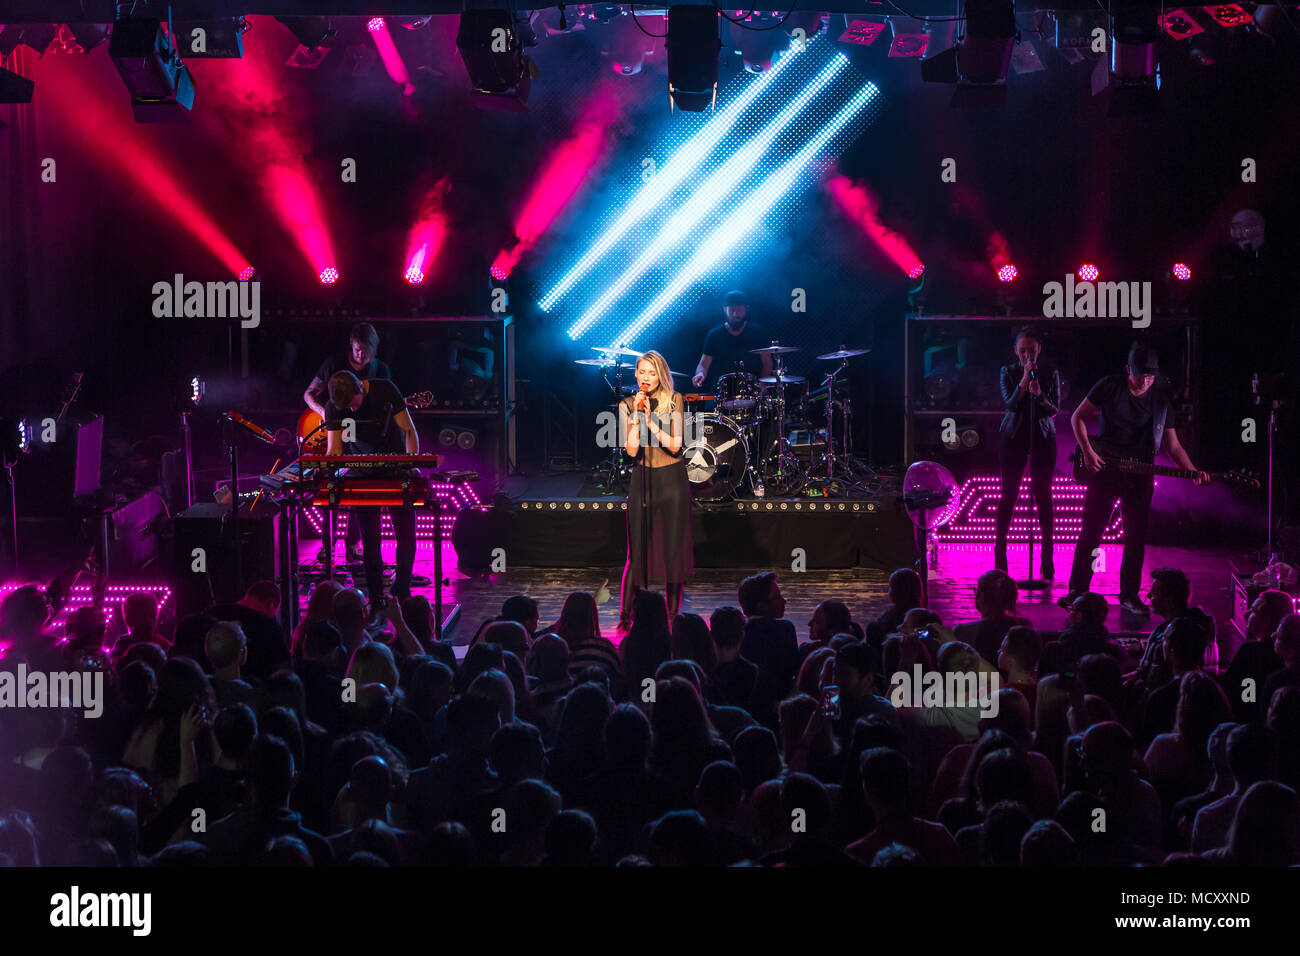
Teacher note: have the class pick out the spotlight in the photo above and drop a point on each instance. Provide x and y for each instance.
(15, 439)
(246, 273)
(1088, 272)
(329, 275)
(758, 44)
(693, 46)
(983, 55)
(310, 31)
(414, 23)
(916, 271)
(1132, 68)
(1181, 271)
(88, 35)
(499, 272)
(160, 84)
(414, 276)
(15, 88)
(1007, 273)
(39, 36)
(491, 45)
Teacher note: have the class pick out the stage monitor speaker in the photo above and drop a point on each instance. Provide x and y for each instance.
(206, 526)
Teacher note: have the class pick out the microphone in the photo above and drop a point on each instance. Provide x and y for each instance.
(1033, 375)
(256, 430)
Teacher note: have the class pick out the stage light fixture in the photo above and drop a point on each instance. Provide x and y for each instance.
(198, 388)
(693, 47)
(1007, 273)
(491, 45)
(246, 273)
(38, 36)
(1132, 72)
(160, 84)
(15, 88)
(1181, 272)
(329, 275)
(983, 54)
(88, 35)
(757, 41)
(1088, 272)
(310, 31)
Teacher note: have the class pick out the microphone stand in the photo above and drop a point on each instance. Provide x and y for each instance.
(645, 503)
(1031, 583)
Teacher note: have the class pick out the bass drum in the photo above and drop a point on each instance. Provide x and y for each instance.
(716, 456)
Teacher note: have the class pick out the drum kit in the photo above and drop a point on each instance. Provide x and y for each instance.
(749, 438)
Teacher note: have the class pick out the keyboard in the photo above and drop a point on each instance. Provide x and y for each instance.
(359, 462)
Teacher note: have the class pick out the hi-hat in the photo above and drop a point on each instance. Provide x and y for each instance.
(774, 350)
(843, 354)
(620, 350)
(599, 363)
(783, 380)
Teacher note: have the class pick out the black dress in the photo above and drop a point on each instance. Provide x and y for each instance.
(670, 556)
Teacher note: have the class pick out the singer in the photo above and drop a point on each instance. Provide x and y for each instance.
(1028, 433)
(659, 499)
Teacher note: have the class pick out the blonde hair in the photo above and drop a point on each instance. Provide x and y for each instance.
(665, 391)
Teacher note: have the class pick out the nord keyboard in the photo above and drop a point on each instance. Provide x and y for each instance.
(368, 461)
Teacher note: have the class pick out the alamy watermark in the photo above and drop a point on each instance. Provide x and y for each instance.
(78, 690)
(209, 300)
(922, 688)
(75, 909)
(1098, 300)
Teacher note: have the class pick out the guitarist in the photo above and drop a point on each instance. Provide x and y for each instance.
(380, 424)
(363, 346)
(1134, 410)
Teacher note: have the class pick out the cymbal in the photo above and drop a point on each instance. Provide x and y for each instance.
(616, 351)
(599, 363)
(774, 350)
(784, 380)
(844, 353)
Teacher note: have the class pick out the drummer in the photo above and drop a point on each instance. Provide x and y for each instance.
(732, 343)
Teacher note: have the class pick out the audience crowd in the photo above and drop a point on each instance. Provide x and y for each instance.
(692, 741)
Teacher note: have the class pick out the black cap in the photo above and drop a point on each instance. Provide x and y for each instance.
(1143, 360)
(736, 297)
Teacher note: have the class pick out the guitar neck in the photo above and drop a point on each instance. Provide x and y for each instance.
(1130, 466)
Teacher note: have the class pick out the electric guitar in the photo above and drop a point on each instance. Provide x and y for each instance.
(1131, 466)
(311, 434)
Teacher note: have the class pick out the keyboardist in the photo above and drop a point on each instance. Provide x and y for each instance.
(369, 417)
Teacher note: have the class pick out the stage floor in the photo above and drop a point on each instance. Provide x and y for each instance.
(952, 584)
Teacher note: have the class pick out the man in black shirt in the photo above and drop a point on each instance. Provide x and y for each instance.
(733, 342)
(363, 345)
(1134, 410)
(370, 418)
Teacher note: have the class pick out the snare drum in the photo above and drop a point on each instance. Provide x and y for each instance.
(737, 391)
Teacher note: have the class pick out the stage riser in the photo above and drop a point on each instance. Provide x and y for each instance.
(560, 538)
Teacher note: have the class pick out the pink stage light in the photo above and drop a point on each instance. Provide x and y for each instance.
(261, 119)
(499, 270)
(392, 60)
(857, 202)
(976, 517)
(1181, 271)
(329, 275)
(1088, 272)
(129, 150)
(427, 232)
(246, 273)
(1007, 273)
(572, 163)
